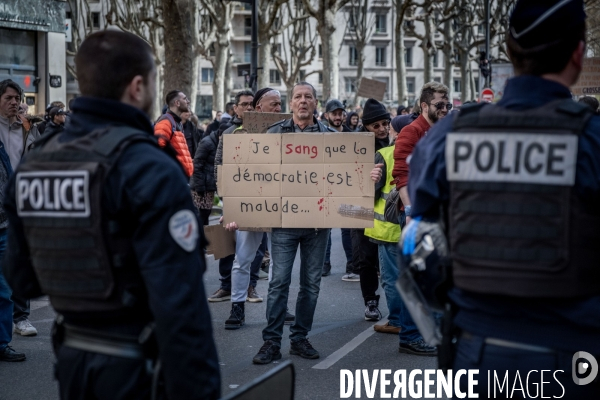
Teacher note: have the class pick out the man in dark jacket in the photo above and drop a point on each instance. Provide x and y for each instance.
(203, 178)
(147, 251)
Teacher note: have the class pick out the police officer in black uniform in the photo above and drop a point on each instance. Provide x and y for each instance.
(102, 221)
(518, 186)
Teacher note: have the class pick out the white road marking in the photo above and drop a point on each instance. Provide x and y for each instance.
(35, 304)
(347, 348)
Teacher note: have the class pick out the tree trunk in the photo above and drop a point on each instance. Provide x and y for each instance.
(264, 58)
(331, 68)
(400, 50)
(360, 50)
(464, 82)
(180, 60)
(427, 45)
(448, 58)
(228, 82)
(219, 66)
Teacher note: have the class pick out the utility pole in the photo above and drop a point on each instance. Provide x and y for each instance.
(254, 55)
(487, 42)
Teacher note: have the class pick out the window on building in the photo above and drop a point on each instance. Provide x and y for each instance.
(457, 83)
(274, 77)
(208, 75)
(247, 52)
(381, 23)
(68, 15)
(320, 77)
(94, 20)
(351, 26)
(410, 84)
(276, 23)
(476, 80)
(436, 59)
(302, 75)
(353, 55)
(380, 56)
(212, 51)
(350, 84)
(437, 79)
(480, 29)
(247, 26)
(320, 51)
(277, 47)
(408, 56)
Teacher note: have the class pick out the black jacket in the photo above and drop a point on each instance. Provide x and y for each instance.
(213, 126)
(52, 128)
(287, 126)
(203, 179)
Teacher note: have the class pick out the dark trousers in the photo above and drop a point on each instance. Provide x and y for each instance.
(365, 258)
(204, 215)
(347, 245)
(82, 375)
(21, 309)
(226, 264)
(473, 353)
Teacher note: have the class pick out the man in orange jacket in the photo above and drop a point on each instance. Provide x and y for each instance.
(168, 128)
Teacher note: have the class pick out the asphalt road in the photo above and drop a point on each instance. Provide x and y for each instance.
(340, 334)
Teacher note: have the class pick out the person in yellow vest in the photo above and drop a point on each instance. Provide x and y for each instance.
(386, 235)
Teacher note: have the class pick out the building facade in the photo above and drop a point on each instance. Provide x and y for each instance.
(32, 49)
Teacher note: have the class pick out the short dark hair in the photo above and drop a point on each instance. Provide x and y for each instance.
(9, 83)
(590, 101)
(304, 83)
(171, 96)
(430, 89)
(243, 93)
(545, 59)
(108, 60)
(229, 107)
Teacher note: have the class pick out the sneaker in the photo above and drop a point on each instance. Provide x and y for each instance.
(10, 355)
(372, 312)
(326, 269)
(418, 348)
(236, 318)
(220, 295)
(304, 349)
(267, 353)
(289, 318)
(351, 277)
(387, 328)
(262, 274)
(253, 296)
(24, 328)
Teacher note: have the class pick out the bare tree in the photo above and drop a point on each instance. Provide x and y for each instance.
(297, 47)
(592, 9)
(144, 19)
(360, 27)
(401, 8)
(213, 44)
(269, 26)
(324, 12)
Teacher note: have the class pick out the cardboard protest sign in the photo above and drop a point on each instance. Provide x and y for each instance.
(221, 242)
(258, 122)
(322, 180)
(589, 80)
(372, 88)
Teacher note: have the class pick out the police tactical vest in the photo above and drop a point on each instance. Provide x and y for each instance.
(82, 258)
(383, 230)
(517, 225)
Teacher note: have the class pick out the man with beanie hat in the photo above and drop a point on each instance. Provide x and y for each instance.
(524, 232)
(334, 113)
(434, 106)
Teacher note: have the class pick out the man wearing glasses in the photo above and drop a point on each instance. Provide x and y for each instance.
(434, 106)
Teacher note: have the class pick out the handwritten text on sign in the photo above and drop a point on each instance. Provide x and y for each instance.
(298, 180)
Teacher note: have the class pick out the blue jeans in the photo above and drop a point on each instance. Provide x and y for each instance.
(284, 246)
(399, 315)
(226, 265)
(6, 304)
(346, 244)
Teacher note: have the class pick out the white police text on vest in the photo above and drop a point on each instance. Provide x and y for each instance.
(546, 159)
(53, 194)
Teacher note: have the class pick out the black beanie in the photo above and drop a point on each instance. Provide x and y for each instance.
(374, 111)
(259, 94)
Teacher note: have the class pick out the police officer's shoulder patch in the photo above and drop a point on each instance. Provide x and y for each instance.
(183, 227)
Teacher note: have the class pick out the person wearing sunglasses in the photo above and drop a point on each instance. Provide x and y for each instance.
(434, 106)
